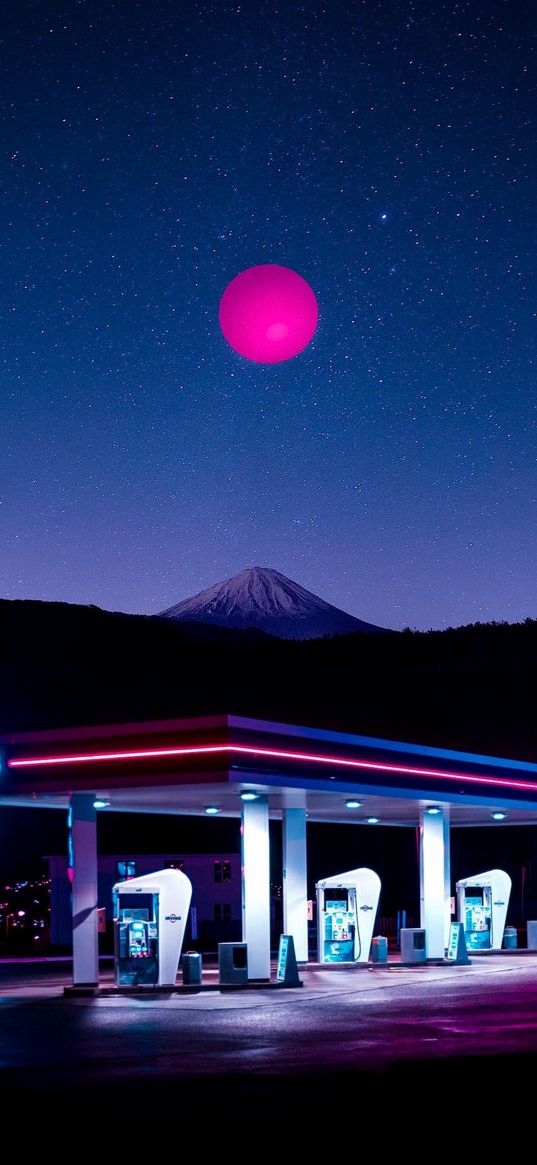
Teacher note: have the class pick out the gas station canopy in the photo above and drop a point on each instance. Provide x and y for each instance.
(190, 766)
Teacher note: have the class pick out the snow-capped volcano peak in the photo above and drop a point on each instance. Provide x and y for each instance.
(265, 599)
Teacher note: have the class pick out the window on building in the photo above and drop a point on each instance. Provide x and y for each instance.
(222, 912)
(174, 864)
(222, 871)
(126, 869)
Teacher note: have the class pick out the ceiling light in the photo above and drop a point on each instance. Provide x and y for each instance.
(100, 804)
(248, 795)
(353, 804)
(433, 810)
(499, 816)
(372, 820)
(211, 810)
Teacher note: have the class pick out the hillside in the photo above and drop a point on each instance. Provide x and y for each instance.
(470, 687)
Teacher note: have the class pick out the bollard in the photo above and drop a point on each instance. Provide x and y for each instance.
(510, 938)
(191, 964)
(379, 950)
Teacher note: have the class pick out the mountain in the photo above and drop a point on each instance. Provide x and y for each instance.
(270, 602)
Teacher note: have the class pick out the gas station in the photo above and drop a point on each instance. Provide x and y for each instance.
(258, 770)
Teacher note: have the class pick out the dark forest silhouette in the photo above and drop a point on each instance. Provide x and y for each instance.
(470, 687)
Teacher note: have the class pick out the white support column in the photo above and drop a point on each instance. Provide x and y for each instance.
(83, 825)
(434, 845)
(256, 886)
(447, 875)
(295, 888)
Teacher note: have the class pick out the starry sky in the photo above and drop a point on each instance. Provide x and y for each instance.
(385, 151)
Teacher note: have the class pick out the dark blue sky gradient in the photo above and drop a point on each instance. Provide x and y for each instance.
(386, 151)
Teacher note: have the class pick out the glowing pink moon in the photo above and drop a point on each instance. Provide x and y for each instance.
(268, 313)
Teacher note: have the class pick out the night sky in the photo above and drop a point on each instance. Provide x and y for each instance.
(386, 152)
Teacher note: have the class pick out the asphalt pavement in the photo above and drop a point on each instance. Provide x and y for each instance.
(375, 1050)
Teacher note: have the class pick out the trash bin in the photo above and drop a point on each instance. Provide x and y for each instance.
(192, 966)
(379, 950)
(532, 934)
(413, 945)
(510, 938)
(233, 962)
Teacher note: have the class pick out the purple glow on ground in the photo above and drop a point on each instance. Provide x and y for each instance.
(268, 313)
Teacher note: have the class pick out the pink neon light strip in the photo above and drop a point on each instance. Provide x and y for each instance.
(280, 754)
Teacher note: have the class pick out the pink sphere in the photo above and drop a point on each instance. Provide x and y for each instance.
(268, 313)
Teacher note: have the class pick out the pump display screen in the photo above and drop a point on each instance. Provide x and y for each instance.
(133, 906)
(128, 914)
(336, 899)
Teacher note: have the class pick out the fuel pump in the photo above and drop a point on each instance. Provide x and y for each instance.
(346, 910)
(150, 916)
(136, 948)
(482, 908)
